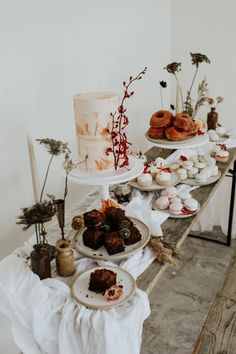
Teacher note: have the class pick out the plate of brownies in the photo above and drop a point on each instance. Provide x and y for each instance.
(110, 234)
(103, 287)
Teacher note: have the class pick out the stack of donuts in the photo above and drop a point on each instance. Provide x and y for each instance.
(164, 125)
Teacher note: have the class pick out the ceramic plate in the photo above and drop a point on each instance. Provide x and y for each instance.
(195, 141)
(177, 216)
(102, 253)
(110, 177)
(155, 187)
(93, 300)
(193, 182)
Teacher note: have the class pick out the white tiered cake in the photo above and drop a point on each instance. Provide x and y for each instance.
(93, 125)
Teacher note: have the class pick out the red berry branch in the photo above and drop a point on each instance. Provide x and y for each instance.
(120, 143)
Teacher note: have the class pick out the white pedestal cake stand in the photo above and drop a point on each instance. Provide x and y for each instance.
(190, 143)
(104, 179)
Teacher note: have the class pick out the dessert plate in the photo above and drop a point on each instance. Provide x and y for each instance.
(83, 295)
(195, 141)
(102, 253)
(193, 182)
(177, 216)
(154, 186)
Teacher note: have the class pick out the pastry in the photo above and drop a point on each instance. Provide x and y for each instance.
(159, 161)
(94, 219)
(175, 208)
(93, 238)
(113, 242)
(201, 177)
(214, 170)
(156, 133)
(101, 280)
(152, 169)
(222, 156)
(191, 204)
(134, 236)
(162, 202)
(161, 119)
(184, 121)
(171, 192)
(221, 130)
(213, 136)
(145, 180)
(188, 165)
(192, 173)
(163, 178)
(115, 216)
(175, 199)
(208, 171)
(200, 165)
(174, 166)
(184, 194)
(182, 173)
(174, 134)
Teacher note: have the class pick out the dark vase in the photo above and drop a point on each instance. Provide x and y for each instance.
(212, 119)
(40, 261)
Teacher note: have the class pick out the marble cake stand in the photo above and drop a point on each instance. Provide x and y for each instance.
(103, 180)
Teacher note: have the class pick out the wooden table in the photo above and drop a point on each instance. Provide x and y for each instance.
(176, 230)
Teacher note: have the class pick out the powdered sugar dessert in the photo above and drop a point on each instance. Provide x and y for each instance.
(93, 125)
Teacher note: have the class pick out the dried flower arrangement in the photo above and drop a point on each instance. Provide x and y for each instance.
(164, 251)
(214, 102)
(43, 211)
(120, 143)
(189, 105)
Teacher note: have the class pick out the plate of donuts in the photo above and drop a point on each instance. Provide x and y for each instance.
(154, 186)
(190, 142)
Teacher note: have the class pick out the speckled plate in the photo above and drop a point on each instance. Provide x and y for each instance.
(84, 296)
(177, 216)
(102, 253)
(191, 142)
(193, 182)
(154, 186)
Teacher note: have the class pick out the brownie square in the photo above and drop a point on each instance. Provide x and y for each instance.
(113, 243)
(134, 237)
(101, 280)
(94, 219)
(115, 216)
(93, 238)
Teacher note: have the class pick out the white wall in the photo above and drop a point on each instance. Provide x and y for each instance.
(208, 27)
(51, 50)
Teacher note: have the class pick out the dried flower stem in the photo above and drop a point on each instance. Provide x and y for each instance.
(188, 98)
(180, 90)
(45, 179)
(161, 98)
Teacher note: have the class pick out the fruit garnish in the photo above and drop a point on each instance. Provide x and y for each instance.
(200, 132)
(222, 146)
(107, 203)
(113, 293)
(183, 158)
(188, 212)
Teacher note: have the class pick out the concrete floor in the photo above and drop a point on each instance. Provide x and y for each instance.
(183, 296)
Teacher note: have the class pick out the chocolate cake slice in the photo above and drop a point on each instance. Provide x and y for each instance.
(94, 219)
(134, 236)
(93, 238)
(115, 216)
(113, 242)
(102, 279)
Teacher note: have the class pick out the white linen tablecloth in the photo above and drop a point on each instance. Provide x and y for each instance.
(44, 317)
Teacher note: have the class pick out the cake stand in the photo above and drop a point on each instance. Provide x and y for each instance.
(193, 142)
(104, 179)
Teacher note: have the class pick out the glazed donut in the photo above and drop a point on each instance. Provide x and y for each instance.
(177, 135)
(156, 133)
(183, 121)
(161, 119)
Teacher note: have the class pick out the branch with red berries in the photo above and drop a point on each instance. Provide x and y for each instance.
(120, 143)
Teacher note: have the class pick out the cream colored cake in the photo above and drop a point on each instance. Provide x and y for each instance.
(93, 126)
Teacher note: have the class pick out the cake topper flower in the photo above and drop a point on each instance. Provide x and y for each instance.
(214, 102)
(120, 143)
